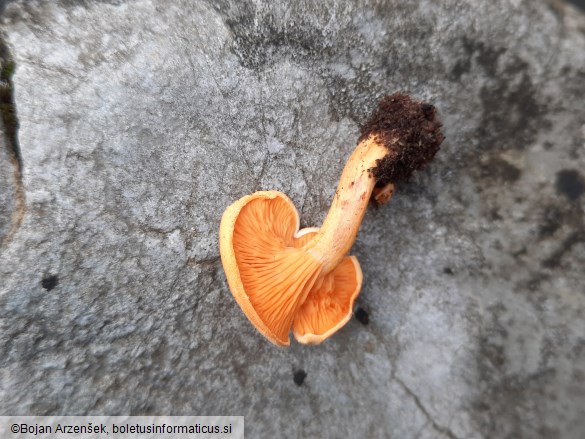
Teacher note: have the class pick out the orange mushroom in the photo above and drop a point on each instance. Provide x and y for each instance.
(329, 304)
(274, 280)
(284, 278)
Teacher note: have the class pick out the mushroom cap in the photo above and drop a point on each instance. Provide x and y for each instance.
(329, 304)
(271, 276)
(267, 274)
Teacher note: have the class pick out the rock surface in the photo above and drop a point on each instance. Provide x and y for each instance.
(140, 121)
(7, 193)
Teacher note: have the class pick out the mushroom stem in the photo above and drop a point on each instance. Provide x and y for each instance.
(401, 137)
(340, 228)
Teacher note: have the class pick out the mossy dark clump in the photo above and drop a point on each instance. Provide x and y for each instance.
(411, 132)
(7, 107)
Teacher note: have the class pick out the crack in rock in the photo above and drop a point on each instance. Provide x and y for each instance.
(10, 127)
(444, 430)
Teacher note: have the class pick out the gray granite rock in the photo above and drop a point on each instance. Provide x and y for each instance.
(7, 195)
(140, 121)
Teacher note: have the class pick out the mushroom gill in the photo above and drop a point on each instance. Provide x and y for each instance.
(329, 304)
(269, 275)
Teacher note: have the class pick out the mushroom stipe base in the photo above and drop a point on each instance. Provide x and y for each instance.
(286, 279)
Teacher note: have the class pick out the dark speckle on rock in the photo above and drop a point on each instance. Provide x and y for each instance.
(513, 114)
(500, 169)
(570, 183)
(578, 3)
(49, 282)
(299, 377)
(555, 259)
(551, 221)
(362, 316)
(479, 52)
(493, 353)
(495, 215)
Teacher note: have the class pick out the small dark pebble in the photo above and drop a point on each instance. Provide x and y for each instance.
(449, 271)
(50, 282)
(362, 316)
(299, 377)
